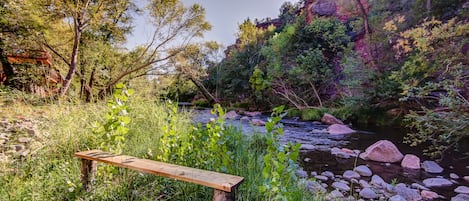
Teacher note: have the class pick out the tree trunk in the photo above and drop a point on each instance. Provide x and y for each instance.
(364, 16)
(73, 58)
(204, 90)
(429, 6)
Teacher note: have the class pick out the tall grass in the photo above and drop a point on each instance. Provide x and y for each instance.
(52, 173)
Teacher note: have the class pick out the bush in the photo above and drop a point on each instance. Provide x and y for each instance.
(313, 114)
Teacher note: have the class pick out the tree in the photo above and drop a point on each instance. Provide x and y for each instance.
(175, 26)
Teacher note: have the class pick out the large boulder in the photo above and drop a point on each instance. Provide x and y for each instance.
(382, 151)
(325, 8)
(257, 122)
(330, 119)
(339, 129)
(411, 161)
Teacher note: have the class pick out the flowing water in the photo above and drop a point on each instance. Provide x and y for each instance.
(318, 158)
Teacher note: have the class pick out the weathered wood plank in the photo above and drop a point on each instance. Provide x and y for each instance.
(88, 172)
(219, 195)
(216, 180)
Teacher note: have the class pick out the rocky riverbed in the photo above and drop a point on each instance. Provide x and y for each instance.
(364, 165)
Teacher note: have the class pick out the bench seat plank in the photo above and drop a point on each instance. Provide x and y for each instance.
(216, 180)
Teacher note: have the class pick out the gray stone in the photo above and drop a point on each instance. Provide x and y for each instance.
(313, 173)
(339, 129)
(408, 193)
(364, 184)
(252, 114)
(321, 177)
(328, 174)
(257, 122)
(368, 193)
(411, 161)
(244, 119)
(432, 167)
(349, 174)
(436, 182)
(454, 176)
(462, 189)
(231, 115)
(341, 186)
(330, 119)
(418, 186)
(363, 170)
(315, 187)
(460, 197)
(301, 174)
(307, 160)
(335, 194)
(397, 198)
(377, 181)
(307, 147)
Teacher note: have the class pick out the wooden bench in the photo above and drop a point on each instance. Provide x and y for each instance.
(224, 185)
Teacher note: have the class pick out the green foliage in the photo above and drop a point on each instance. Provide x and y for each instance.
(112, 133)
(313, 114)
(279, 161)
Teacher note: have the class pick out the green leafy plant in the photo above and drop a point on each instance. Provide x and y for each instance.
(279, 161)
(113, 132)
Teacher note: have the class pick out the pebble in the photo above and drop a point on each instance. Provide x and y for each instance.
(462, 189)
(397, 198)
(301, 173)
(328, 174)
(377, 181)
(313, 173)
(429, 195)
(307, 147)
(466, 178)
(460, 197)
(368, 193)
(436, 182)
(335, 194)
(316, 187)
(307, 159)
(364, 184)
(341, 186)
(418, 186)
(432, 167)
(349, 174)
(321, 177)
(454, 176)
(408, 193)
(363, 170)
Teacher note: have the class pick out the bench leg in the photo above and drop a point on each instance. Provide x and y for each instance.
(88, 172)
(219, 195)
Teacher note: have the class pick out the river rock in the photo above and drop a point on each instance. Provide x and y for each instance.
(325, 8)
(231, 115)
(397, 198)
(368, 193)
(432, 167)
(382, 151)
(363, 170)
(462, 189)
(460, 197)
(316, 187)
(307, 147)
(257, 122)
(301, 174)
(341, 186)
(349, 174)
(321, 177)
(411, 161)
(307, 160)
(429, 195)
(328, 174)
(334, 195)
(364, 184)
(408, 193)
(339, 129)
(377, 181)
(436, 182)
(244, 119)
(454, 176)
(466, 178)
(418, 186)
(329, 119)
(252, 114)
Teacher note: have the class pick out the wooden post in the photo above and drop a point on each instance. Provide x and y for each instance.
(88, 172)
(219, 195)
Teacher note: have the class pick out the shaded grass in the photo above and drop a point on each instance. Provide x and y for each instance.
(52, 173)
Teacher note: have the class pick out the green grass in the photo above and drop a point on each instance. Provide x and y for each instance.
(52, 173)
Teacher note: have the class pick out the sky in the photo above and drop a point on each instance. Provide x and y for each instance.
(223, 15)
